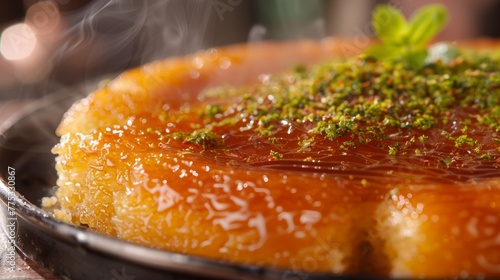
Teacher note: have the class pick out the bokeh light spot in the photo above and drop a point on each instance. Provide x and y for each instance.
(43, 17)
(17, 42)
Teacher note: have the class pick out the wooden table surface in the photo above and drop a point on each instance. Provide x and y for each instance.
(24, 268)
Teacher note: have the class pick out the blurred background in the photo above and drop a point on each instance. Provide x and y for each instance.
(50, 44)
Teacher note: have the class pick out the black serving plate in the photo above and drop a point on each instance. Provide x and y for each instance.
(76, 253)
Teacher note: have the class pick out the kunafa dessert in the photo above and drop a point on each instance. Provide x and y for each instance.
(295, 156)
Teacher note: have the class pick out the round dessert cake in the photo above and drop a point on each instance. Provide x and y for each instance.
(301, 156)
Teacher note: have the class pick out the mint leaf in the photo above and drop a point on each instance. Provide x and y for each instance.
(426, 23)
(389, 24)
(405, 41)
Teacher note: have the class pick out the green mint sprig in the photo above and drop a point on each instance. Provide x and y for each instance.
(406, 40)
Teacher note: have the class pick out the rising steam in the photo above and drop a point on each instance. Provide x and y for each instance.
(112, 35)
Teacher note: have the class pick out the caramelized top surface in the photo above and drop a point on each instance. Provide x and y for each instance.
(363, 116)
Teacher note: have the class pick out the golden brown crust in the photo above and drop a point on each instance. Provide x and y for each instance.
(121, 183)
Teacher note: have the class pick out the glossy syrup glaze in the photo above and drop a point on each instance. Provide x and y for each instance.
(207, 176)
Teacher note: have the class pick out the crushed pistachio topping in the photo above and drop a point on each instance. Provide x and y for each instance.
(275, 155)
(364, 100)
(203, 138)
